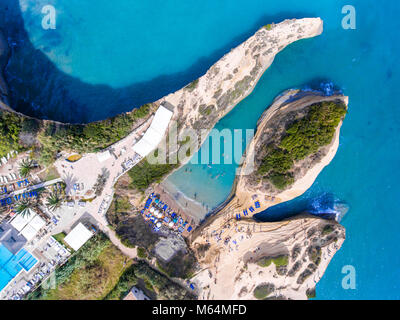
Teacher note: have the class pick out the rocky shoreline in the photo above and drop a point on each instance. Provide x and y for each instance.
(289, 257)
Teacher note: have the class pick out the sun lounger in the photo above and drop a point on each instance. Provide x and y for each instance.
(257, 204)
(251, 209)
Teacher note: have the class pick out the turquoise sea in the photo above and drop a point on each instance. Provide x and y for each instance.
(105, 57)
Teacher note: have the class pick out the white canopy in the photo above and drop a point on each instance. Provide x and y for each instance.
(78, 236)
(29, 232)
(143, 148)
(104, 156)
(155, 133)
(37, 223)
(20, 221)
(161, 119)
(29, 224)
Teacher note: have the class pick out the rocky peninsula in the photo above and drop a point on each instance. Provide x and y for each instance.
(245, 259)
(272, 127)
(202, 103)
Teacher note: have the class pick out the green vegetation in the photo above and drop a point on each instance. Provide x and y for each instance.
(279, 261)
(48, 138)
(54, 201)
(268, 26)
(303, 138)
(182, 265)
(50, 173)
(263, 290)
(141, 252)
(164, 288)
(314, 252)
(127, 280)
(193, 85)
(91, 137)
(144, 174)
(311, 293)
(327, 229)
(10, 129)
(24, 206)
(206, 110)
(122, 204)
(60, 237)
(134, 231)
(25, 167)
(89, 274)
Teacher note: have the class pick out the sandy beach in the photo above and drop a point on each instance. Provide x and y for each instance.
(190, 207)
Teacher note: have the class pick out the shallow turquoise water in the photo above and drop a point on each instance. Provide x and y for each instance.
(114, 58)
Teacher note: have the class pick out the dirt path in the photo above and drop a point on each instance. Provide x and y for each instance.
(130, 252)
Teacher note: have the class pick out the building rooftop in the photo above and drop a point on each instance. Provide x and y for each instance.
(78, 236)
(136, 294)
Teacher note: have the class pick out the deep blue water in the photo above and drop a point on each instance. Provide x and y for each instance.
(105, 58)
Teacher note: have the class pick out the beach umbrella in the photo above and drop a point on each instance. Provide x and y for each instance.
(171, 224)
(151, 209)
(158, 224)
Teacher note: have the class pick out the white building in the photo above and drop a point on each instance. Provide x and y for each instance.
(78, 236)
(136, 294)
(154, 133)
(29, 224)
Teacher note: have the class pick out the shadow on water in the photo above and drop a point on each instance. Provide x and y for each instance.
(38, 88)
(324, 205)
